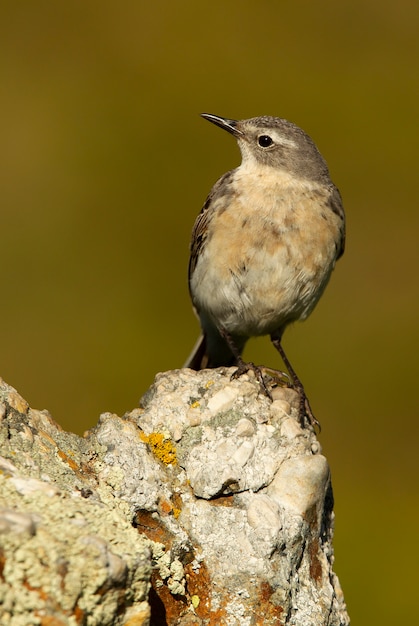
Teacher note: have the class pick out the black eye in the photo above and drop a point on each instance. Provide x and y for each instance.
(265, 141)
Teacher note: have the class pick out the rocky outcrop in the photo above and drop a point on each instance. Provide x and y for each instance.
(209, 504)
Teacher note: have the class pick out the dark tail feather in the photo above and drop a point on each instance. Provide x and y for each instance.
(198, 359)
(220, 354)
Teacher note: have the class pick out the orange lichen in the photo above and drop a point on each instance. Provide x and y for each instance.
(64, 457)
(177, 504)
(165, 507)
(161, 446)
(316, 571)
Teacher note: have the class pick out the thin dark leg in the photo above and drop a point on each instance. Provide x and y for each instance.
(305, 408)
(243, 366)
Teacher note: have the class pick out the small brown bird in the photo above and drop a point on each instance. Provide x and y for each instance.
(264, 245)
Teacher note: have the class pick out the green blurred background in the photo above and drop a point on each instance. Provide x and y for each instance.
(105, 163)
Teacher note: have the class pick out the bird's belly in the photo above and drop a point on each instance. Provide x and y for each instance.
(253, 283)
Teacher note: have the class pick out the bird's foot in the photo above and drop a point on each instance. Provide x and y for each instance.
(305, 410)
(304, 406)
(277, 377)
(246, 366)
(266, 375)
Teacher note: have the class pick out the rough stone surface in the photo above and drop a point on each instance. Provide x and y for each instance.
(68, 551)
(209, 504)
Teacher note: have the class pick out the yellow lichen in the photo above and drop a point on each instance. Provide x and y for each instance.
(195, 405)
(161, 446)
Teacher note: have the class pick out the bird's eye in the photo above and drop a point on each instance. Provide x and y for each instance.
(265, 141)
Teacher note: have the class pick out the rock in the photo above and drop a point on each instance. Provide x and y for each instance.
(209, 504)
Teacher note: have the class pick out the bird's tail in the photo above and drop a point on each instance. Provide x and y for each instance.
(198, 358)
(217, 354)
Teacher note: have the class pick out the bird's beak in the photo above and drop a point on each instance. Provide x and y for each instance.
(223, 122)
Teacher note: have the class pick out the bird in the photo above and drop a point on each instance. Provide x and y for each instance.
(263, 247)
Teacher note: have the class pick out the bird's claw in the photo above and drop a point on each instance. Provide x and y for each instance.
(279, 378)
(244, 367)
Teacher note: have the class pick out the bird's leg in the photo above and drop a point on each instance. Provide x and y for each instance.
(305, 408)
(244, 366)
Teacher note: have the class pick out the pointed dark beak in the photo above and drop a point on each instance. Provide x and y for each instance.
(223, 122)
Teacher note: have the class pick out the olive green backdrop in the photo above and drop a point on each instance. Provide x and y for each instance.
(104, 164)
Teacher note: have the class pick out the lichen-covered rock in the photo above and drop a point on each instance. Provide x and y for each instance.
(210, 492)
(67, 556)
